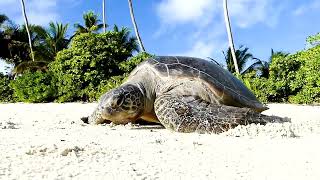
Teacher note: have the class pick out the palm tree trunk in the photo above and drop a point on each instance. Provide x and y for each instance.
(228, 26)
(135, 26)
(27, 27)
(103, 15)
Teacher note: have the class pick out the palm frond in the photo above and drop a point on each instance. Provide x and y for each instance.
(214, 61)
(115, 28)
(3, 18)
(80, 29)
(99, 26)
(242, 56)
(254, 66)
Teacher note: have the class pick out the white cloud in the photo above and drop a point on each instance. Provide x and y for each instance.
(181, 11)
(244, 13)
(207, 42)
(314, 5)
(205, 20)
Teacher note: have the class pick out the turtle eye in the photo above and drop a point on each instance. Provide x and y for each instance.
(120, 100)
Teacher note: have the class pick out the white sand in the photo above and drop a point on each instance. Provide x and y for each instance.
(48, 141)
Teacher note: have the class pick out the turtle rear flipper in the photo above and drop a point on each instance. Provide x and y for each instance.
(188, 114)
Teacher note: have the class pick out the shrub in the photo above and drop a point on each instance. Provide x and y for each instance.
(282, 75)
(260, 87)
(91, 59)
(294, 79)
(6, 92)
(107, 85)
(314, 40)
(115, 81)
(34, 87)
(307, 80)
(129, 65)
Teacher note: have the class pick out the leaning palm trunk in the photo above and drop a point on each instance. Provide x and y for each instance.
(27, 27)
(227, 22)
(135, 26)
(103, 15)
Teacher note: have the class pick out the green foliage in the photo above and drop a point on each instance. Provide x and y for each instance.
(129, 65)
(282, 75)
(6, 92)
(314, 40)
(96, 63)
(34, 87)
(52, 40)
(307, 80)
(91, 59)
(91, 23)
(258, 85)
(3, 18)
(30, 66)
(107, 85)
(242, 56)
(294, 78)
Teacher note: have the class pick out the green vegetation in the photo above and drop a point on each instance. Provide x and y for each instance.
(90, 59)
(242, 56)
(34, 87)
(127, 67)
(46, 43)
(314, 40)
(80, 71)
(91, 24)
(293, 78)
(6, 92)
(89, 63)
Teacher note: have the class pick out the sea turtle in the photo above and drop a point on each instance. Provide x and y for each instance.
(184, 94)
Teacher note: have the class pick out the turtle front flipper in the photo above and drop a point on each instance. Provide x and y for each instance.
(189, 114)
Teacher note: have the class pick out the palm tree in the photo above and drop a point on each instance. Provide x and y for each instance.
(127, 41)
(263, 67)
(19, 49)
(276, 54)
(231, 44)
(27, 28)
(3, 41)
(17, 43)
(242, 56)
(103, 15)
(50, 42)
(135, 26)
(54, 39)
(3, 18)
(91, 24)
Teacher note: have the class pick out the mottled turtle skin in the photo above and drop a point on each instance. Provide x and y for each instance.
(184, 94)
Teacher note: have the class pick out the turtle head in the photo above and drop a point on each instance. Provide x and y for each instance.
(122, 105)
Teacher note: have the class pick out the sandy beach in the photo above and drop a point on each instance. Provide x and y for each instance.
(48, 141)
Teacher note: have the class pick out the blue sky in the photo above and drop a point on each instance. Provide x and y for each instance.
(193, 27)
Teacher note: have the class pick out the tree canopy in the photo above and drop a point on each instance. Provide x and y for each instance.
(91, 24)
